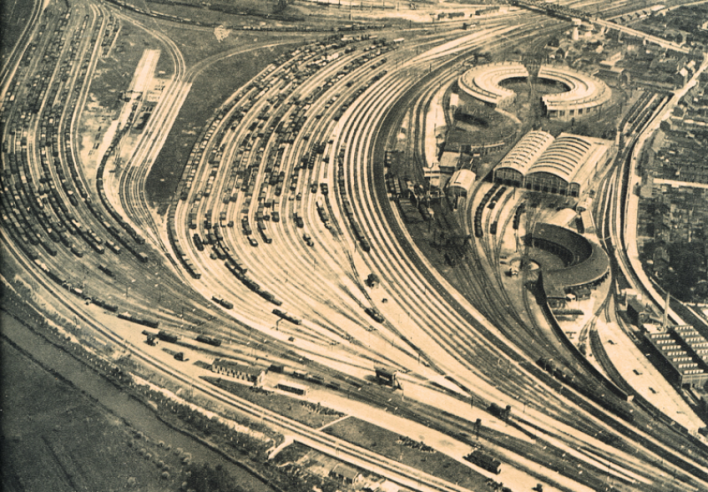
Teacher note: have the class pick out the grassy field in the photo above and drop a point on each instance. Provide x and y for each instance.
(415, 454)
(115, 72)
(14, 15)
(209, 90)
(301, 411)
(56, 439)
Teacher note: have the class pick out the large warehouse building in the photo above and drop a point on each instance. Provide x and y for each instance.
(585, 95)
(683, 353)
(563, 165)
(586, 263)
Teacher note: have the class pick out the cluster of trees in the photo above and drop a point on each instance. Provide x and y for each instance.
(680, 268)
(206, 478)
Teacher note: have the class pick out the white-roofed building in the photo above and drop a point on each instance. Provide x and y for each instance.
(460, 183)
(512, 169)
(562, 166)
(585, 94)
(483, 83)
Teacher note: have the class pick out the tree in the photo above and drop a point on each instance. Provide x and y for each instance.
(280, 5)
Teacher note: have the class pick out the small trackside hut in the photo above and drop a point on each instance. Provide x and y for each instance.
(344, 473)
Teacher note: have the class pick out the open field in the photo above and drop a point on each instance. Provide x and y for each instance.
(406, 451)
(15, 14)
(56, 439)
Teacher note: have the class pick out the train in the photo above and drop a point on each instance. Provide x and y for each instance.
(375, 315)
(223, 302)
(209, 340)
(137, 319)
(484, 461)
(287, 316)
(167, 337)
(292, 388)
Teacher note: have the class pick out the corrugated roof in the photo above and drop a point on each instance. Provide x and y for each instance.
(527, 151)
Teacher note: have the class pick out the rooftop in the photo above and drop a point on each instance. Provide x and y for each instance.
(235, 366)
(589, 261)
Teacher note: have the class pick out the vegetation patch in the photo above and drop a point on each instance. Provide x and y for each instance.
(56, 439)
(15, 15)
(407, 451)
(310, 414)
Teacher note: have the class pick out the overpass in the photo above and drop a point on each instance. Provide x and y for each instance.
(648, 37)
(570, 14)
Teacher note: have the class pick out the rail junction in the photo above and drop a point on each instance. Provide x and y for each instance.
(281, 214)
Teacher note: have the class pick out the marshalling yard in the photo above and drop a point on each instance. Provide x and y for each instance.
(351, 246)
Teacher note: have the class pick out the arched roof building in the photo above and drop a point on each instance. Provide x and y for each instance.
(513, 167)
(561, 166)
(461, 182)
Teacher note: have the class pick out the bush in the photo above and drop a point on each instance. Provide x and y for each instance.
(205, 478)
(165, 475)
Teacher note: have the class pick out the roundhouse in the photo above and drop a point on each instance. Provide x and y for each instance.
(585, 95)
(586, 263)
(483, 83)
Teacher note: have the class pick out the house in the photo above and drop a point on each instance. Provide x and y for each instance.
(344, 473)
(637, 312)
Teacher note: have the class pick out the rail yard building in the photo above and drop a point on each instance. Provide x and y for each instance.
(483, 83)
(461, 183)
(683, 353)
(232, 369)
(344, 473)
(585, 95)
(586, 264)
(563, 165)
